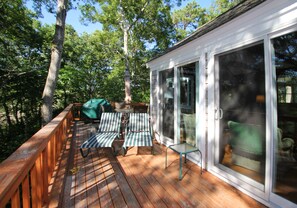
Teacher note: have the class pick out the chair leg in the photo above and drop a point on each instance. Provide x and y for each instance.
(113, 150)
(124, 151)
(82, 153)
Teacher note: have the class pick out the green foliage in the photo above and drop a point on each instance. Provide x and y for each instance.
(188, 19)
(21, 75)
(220, 6)
(92, 64)
(145, 22)
(192, 16)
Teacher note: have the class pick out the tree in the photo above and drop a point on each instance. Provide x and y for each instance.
(220, 6)
(192, 16)
(21, 75)
(56, 56)
(140, 22)
(188, 19)
(86, 65)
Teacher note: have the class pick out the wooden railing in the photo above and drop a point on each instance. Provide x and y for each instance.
(25, 175)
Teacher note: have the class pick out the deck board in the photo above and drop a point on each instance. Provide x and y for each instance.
(137, 180)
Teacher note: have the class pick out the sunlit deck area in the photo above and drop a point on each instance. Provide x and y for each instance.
(135, 180)
(49, 171)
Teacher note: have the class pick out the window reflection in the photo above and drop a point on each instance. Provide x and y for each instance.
(167, 103)
(187, 104)
(285, 61)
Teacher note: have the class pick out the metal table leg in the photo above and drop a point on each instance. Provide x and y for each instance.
(166, 158)
(180, 166)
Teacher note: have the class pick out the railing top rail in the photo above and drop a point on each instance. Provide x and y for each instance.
(18, 164)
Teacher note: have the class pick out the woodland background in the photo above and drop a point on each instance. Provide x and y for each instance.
(93, 65)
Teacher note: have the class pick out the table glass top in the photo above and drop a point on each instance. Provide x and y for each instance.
(183, 148)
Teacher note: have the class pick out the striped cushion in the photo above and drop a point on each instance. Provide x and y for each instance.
(138, 122)
(109, 130)
(104, 139)
(138, 131)
(139, 139)
(110, 122)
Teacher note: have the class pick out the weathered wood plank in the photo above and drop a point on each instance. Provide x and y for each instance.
(115, 192)
(92, 192)
(137, 168)
(80, 188)
(138, 191)
(170, 198)
(104, 194)
(128, 194)
(157, 164)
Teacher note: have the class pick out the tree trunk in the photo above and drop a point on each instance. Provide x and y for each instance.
(127, 70)
(7, 115)
(56, 56)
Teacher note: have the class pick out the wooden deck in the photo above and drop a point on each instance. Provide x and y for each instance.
(136, 180)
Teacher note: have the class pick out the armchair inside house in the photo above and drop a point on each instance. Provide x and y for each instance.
(285, 147)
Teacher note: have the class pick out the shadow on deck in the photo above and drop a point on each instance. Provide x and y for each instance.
(136, 180)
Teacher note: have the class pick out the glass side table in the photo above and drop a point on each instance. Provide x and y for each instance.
(183, 149)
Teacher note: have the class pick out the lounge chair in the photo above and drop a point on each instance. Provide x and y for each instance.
(138, 132)
(108, 131)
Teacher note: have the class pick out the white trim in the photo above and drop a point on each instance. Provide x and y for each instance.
(190, 61)
(176, 127)
(268, 96)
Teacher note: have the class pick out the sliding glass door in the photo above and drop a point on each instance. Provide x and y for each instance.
(285, 151)
(241, 113)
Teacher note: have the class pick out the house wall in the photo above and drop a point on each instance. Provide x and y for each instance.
(258, 24)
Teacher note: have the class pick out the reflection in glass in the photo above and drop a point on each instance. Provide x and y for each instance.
(242, 102)
(167, 100)
(285, 170)
(187, 104)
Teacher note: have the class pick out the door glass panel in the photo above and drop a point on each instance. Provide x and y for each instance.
(167, 103)
(187, 104)
(242, 111)
(285, 169)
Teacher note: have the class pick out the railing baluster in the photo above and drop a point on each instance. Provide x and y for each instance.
(26, 192)
(49, 173)
(54, 151)
(15, 200)
(34, 184)
(39, 181)
(44, 168)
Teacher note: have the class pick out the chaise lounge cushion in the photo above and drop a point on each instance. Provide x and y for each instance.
(139, 139)
(104, 139)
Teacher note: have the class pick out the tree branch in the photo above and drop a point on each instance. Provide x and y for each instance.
(139, 15)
